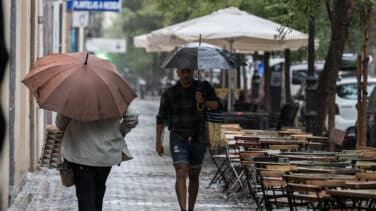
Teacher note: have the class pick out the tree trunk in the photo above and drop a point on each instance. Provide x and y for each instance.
(311, 81)
(358, 104)
(362, 116)
(331, 110)
(340, 16)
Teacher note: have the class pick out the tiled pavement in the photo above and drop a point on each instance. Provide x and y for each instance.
(144, 183)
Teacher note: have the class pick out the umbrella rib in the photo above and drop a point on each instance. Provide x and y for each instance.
(56, 87)
(109, 90)
(35, 74)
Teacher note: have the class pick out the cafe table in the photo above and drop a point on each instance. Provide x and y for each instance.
(320, 163)
(361, 199)
(281, 141)
(361, 184)
(365, 164)
(308, 157)
(326, 169)
(353, 193)
(318, 176)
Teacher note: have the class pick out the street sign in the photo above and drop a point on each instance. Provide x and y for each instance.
(106, 45)
(80, 18)
(94, 5)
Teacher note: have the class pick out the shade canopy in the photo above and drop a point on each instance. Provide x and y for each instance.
(229, 28)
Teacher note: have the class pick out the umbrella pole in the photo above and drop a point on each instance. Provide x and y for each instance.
(87, 56)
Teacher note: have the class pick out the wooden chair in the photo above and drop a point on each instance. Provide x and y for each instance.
(243, 143)
(247, 162)
(336, 138)
(219, 159)
(262, 132)
(295, 130)
(234, 170)
(289, 148)
(303, 195)
(303, 136)
(352, 202)
(367, 155)
(281, 167)
(317, 143)
(273, 188)
(366, 176)
(235, 127)
(327, 183)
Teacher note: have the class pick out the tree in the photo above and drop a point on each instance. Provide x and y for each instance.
(297, 13)
(339, 13)
(364, 10)
(137, 17)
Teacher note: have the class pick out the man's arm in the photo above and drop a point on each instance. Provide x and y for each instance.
(161, 118)
(158, 143)
(130, 121)
(213, 101)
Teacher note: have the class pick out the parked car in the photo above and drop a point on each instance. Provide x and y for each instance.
(299, 73)
(346, 100)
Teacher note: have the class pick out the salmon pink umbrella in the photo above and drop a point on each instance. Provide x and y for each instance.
(80, 86)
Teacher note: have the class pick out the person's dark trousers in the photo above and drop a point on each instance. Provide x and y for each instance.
(90, 185)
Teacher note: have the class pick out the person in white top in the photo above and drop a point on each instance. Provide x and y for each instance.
(91, 149)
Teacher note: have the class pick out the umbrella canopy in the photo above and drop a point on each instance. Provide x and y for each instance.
(79, 86)
(250, 33)
(200, 56)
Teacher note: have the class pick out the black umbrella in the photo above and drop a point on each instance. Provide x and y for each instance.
(200, 56)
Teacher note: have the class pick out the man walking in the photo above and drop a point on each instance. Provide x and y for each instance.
(181, 109)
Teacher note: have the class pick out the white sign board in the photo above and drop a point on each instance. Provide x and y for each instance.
(106, 45)
(80, 19)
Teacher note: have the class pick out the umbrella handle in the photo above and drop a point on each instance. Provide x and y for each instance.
(200, 106)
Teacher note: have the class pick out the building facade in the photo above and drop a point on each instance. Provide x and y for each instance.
(32, 29)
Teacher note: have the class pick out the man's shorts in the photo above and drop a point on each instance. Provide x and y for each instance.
(187, 150)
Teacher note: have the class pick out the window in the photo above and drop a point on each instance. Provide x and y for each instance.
(350, 91)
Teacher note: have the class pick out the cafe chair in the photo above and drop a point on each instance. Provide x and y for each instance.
(273, 188)
(306, 196)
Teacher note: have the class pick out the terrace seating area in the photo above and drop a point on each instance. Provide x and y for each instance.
(294, 170)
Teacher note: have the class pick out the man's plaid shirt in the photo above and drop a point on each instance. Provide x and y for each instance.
(178, 108)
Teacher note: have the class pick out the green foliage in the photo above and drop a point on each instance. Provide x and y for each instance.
(177, 11)
(143, 16)
(137, 17)
(356, 33)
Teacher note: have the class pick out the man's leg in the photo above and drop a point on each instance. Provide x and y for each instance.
(85, 188)
(100, 185)
(194, 181)
(180, 185)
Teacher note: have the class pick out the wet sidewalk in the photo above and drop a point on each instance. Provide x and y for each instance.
(145, 183)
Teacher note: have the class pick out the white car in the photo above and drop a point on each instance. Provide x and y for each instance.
(298, 75)
(346, 100)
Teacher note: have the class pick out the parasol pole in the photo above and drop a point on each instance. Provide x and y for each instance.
(199, 44)
(199, 105)
(87, 56)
